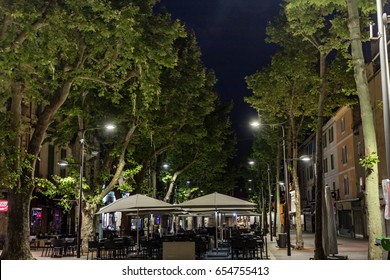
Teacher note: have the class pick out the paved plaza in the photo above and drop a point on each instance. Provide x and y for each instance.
(352, 249)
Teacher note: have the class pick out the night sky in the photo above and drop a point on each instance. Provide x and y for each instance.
(231, 35)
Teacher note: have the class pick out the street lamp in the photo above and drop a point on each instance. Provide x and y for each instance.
(64, 163)
(260, 198)
(252, 162)
(286, 216)
(270, 201)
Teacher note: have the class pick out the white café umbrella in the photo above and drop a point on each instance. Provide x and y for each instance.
(137, 203)
(216, 202)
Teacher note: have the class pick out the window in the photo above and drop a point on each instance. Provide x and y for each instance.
(359, 149)
(324, 140)
(346, 185)
(331, 161)
(326, 165)
(311, 172)
(344, 155)
(331, 135)
(342, 125)
(50, 160)
(309, 149)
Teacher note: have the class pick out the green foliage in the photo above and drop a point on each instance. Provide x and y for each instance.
(184, 192)
(286, 89)
(44, 184)
(66, 190)
(369, 161)
(128, 179)
(83, 63)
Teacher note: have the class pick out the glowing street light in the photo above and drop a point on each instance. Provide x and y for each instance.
(256, 124)
(64, 163)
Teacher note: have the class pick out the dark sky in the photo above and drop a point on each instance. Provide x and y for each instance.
(231, 35)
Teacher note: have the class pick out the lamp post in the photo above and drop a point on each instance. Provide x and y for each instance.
(251, 162)
(79, 224)
(286, 216)
(270, 201)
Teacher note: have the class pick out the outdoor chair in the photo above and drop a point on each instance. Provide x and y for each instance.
(92, 248)
(70, 246)
(58, 248)
(128, 245)
(237, 246)
(109, 248)
(46, 248)
(252, 248)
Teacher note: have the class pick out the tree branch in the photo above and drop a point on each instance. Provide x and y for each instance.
(122, 162)
(113, 59)
(177, 174)
(4, 27)
(38, 24)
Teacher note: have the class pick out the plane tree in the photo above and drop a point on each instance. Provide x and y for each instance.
(203, 159)
(146, 128)
(347, 20)
(53, 50)
(285, 91)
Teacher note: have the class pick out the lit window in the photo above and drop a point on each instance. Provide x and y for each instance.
(342, 125)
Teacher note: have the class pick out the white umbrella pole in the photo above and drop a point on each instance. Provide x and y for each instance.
(137, 230)
(221, 223)
(216, 230)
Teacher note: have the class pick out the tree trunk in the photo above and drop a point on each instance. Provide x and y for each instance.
(278, 223)
(20, 195)
(88, 224)
(154, 183)
(17, 245)
(168, 195)
(319, 253)
(294, 131)
(299, 238)
(374, 214)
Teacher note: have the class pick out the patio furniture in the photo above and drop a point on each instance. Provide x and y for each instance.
(58, 248)
(46, 248)
(92, 248)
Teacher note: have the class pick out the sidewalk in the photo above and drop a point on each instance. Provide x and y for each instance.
(352, 249)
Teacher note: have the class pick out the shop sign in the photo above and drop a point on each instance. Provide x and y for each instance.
(3, 205)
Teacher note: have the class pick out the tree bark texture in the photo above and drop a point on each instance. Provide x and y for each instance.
(319, 253)
(374, 215)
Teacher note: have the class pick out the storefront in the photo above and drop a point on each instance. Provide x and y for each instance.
(350, 218)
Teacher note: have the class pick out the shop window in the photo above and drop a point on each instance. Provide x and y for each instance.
(36, 221)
